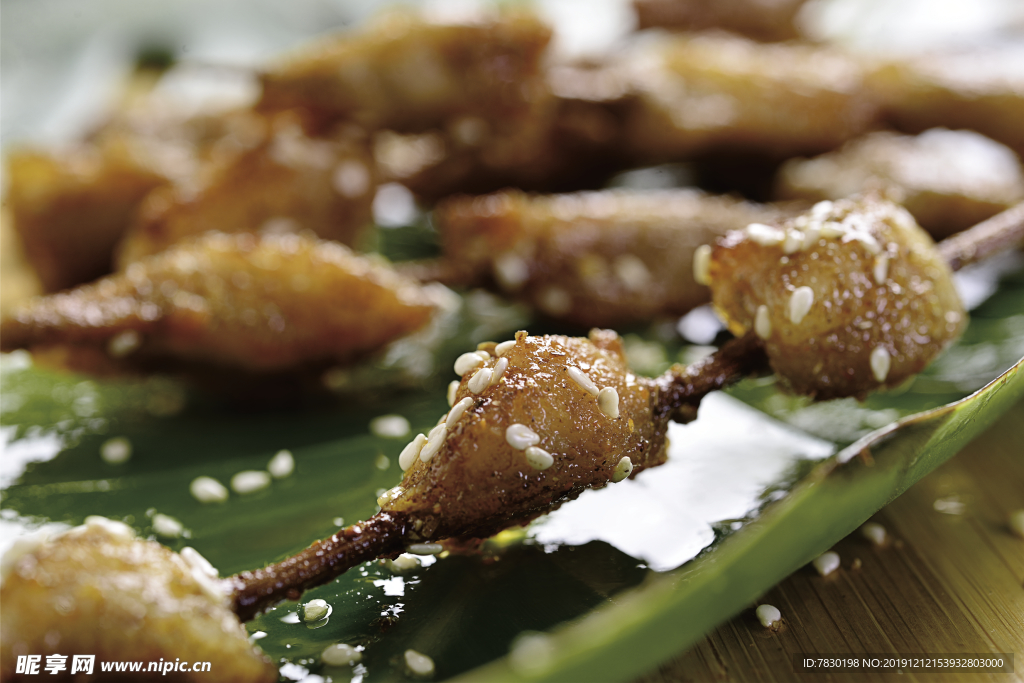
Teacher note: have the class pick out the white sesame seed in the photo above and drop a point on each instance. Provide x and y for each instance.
(827, 563)
(865, 238)
(831, 230)
(483, 355)
(412, 451)
(555, 301)
(504, 347)
(457, 411)
(800, 304)
(167, 526)
(435, 438)
(874, 532)
(531, 653)
(498, 371)
(111, 526)
(281, 465)
(425, 548)
(521, 437)
(623, 469)
(390, 426)
(1016, 523)
(480, 381)
(608, 402)
(821, 209)
(538, 458)
(793, 243)
(403, 563)
(340, 654)
(768, 615)
(632, 272)
(702, 265)
(351, 179)
(467, 362)
(812, 231)
(249, 481)
(208, 490)
(389, 495)
(881, 268)
(453, 388)
(123, 343)
(419, 664)
(583, 380)
(511, 272)
(880, 363)
(315, 610)
(197, 562)
(116, 451)
(762, 323)
(765, 235)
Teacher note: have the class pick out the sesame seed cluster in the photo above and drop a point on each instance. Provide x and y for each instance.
(540, 419)
(848, 297)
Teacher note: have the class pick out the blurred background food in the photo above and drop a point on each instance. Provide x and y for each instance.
(129, 127)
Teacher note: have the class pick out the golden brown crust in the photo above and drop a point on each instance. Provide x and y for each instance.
(864, 300)
(715, 91)
(93, 591)
(593, 258)
(256, 303)
(756, 19)
(980, 89)
(948, 180)
(70, 209)
(262, 173)
(478, 483)
(410, 74)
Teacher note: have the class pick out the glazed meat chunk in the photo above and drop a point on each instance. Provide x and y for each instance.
(534, 422)
(718, 92)
(71, 208)
(409, 73)
(848, 298)
(263, 173)
(98, 590)
(258, 304)
(767, 20)
(948, 180)
(593, 258)
(980, 89)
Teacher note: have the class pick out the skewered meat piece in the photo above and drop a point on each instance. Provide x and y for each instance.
(980, 89)
(848, 298)
(765, 20)
(409, 73)
(534, 422)
(592, 258)
(565, 145)
(99, 590)
(70, 209)
(715, 91)
(263, 173)
(948, 180)
(253, 303)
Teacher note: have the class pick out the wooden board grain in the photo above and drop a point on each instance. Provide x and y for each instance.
(950, 579)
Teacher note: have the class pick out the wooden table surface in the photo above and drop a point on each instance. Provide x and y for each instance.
(946, 582)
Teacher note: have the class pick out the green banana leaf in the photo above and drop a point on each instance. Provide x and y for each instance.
(565, 610)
